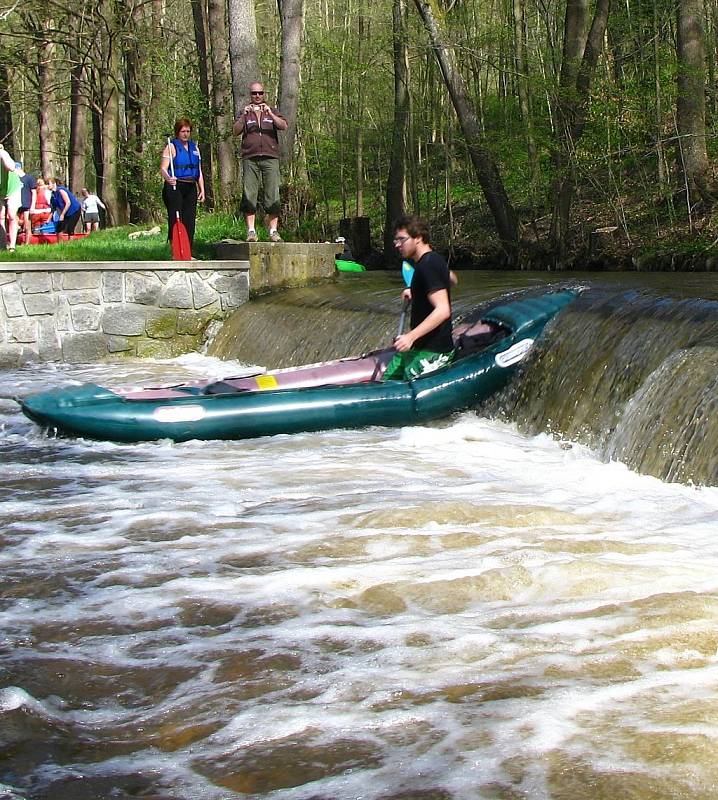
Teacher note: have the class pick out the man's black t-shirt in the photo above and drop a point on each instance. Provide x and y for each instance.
(430, 274)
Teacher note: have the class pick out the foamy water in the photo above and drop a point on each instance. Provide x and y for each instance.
(454, 611)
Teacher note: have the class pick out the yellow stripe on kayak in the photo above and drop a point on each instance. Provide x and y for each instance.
(267, 382)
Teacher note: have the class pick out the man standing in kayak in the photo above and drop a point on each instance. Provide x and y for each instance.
(428, 344)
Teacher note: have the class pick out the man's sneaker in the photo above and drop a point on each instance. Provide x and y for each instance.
(252, 236)
(275, 237)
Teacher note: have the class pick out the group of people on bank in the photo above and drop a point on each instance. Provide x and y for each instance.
(31, 204)
(30, 201)
(428, 344)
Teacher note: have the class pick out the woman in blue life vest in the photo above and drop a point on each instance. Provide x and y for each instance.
(181, 170)
(66, 206)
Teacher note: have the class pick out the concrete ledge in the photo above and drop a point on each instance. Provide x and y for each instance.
(281, 264)
(120, 266)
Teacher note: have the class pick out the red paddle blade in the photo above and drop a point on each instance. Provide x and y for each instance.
(181, 250)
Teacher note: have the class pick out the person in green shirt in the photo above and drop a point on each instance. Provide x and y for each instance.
(10, 195)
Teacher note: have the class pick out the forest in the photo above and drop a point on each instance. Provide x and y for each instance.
(531, 133)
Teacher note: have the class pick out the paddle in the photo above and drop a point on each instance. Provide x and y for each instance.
(404, 308)
(181, 248)
(407, 272)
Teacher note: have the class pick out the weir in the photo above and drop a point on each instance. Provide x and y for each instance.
(632, 375)
(627, 372)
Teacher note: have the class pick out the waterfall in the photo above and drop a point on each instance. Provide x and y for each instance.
(629, 372)
(632, 375)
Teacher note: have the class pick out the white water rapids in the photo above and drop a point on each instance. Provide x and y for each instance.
(444, 612)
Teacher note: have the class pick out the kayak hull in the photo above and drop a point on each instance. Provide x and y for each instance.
(348, 266)
(92, 411)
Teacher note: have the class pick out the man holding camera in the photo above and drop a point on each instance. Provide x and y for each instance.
(259, 125)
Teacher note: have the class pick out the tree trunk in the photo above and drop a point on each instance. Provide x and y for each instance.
(660, 150)
(47, 117)
(137, 103)
(359, 151)
(110, 117)
(482, 160)
(580, 56)
(78, 128)
(199, 18)
(222, 101)
(242, 49)
(77, 148)
(292, 16)
(113, 197)
(96, 119)
(522, 84)
(158, 12)
(691, 101)
(7, 134)
(396, 179)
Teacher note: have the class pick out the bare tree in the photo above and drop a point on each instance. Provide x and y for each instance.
(222, 100)
(199, 17)
(242, 49)
(691, 102)
(396, 179)
(292, 17)
(580, 56)
(484, 164)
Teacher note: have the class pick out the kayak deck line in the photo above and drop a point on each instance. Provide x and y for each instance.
(344, 393)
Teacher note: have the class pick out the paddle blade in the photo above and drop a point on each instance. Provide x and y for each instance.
(407, 272)
(181, 250)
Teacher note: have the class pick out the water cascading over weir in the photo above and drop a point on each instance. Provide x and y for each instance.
(631, 374)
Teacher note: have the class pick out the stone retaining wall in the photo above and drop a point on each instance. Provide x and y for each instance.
(88, 312)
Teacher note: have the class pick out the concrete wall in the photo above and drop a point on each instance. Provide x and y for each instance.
(273, 266)
(87, 312)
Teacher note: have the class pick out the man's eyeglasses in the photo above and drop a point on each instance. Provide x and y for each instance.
(401, 239)
(260, 93)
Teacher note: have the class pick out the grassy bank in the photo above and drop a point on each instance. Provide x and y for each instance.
(114, 244)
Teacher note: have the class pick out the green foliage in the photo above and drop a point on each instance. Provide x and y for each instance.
(114, 244)
(346, 111)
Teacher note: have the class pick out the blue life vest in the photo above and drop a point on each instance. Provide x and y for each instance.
(57, 202)
(186, 162)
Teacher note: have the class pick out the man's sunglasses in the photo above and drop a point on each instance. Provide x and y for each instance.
(256, 92)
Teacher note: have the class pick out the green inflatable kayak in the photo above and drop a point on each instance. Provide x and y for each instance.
(347, 393)
(348, 266)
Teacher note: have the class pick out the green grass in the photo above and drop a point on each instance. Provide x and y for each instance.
(113, 244)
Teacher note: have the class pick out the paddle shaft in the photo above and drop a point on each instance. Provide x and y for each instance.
(172, 165)
(402, 318)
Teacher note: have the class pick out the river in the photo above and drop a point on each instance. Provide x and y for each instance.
(493, 606)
